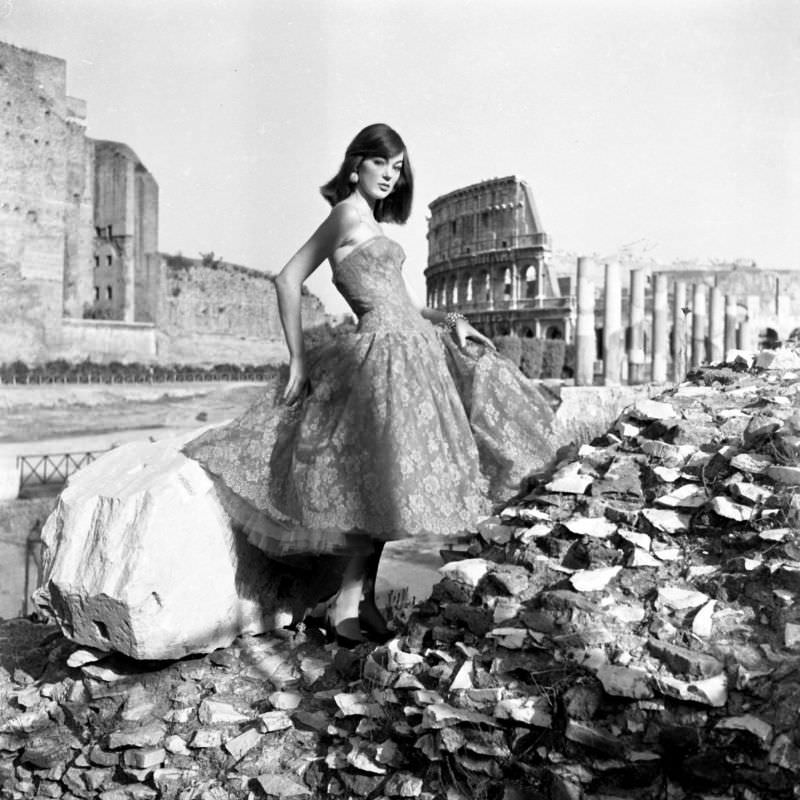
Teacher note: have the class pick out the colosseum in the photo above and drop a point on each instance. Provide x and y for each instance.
(81, 275)
(488, 257)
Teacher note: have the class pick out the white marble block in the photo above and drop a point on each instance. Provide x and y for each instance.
(139, 557)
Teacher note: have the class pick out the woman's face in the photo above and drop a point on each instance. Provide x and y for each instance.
(377, 176)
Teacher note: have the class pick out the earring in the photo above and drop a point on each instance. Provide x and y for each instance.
(353, 177)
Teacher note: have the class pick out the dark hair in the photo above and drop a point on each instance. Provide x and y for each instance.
(375, 140)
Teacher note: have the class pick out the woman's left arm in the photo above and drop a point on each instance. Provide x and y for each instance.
(457, 323)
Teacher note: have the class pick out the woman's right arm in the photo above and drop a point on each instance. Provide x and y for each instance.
(288, 284)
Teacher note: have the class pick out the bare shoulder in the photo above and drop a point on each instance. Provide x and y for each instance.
(344, 217)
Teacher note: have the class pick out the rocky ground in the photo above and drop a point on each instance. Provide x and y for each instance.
(626, 628)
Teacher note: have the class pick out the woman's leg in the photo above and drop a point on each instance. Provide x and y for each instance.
(343, 609)
(372, 621)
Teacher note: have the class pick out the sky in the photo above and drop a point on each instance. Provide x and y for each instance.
(671, 129)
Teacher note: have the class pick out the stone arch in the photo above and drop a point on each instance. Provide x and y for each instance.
(530, 281)
(554, 332)
(452, 295)
(527, 332)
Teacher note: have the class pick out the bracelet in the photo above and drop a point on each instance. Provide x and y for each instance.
(451, 318)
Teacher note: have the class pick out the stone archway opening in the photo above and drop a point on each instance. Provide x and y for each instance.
(554, 332)
(530, 282)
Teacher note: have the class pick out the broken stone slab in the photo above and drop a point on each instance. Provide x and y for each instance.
(753, 463)
(780, 358)
(214, 712)
(510, 638)
(678, 598)
(140, 557)
(148, 735)
(442, 715)
(653, 410)
(592, 580)
(710, 692)
(640, 540)
(242, 744)
(279, 786)
(751, 492)
(784, 475)
(725, 507)
(690, 495)
(271, 721)
(533, 711)
(205, 738)
(569, 480)
(666, 520)
(702, 624)
(598, 527)
(784, 753)
(791, 635)
(85, 655)
(667, 474)
(468, 571)
(673, 455)
(641, 558)
(403, 784)
(144, 758)
(665, 552)
(625, 682)
(747, 722)
(685, 661)
(590, 736)
(285, 701)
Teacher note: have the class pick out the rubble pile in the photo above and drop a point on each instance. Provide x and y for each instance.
(626, 628)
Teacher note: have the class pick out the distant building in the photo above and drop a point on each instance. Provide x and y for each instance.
(488, 257)
(80, 271)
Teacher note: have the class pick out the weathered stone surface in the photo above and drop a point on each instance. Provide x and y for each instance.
(667, 520)
(141, 736)
(279, 786)
(139, 557)
(625, 682)
(785, 475)
(682, 660)
(592, 580)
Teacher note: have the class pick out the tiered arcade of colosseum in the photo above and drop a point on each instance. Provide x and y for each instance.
(488, 258)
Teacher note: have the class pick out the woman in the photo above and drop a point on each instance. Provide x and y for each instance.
(389, 432)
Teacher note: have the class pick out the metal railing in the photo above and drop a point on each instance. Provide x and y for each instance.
(52, 469)
(172, 377)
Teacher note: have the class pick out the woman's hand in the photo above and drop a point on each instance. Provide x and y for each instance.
(297, 386)
(464, 331)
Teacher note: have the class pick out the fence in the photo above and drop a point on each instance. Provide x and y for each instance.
(37, 472)
(37, 378)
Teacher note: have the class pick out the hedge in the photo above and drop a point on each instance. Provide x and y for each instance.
(553, 358)
(532, 355)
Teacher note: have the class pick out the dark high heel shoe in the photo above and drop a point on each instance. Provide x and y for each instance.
(334, 633)
(374, 624)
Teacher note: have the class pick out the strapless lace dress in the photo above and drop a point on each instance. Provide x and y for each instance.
(402, 433)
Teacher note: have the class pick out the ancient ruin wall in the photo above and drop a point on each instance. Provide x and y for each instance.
(217, 312)
(43, 174)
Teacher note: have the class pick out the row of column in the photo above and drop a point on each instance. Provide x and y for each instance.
(714, 328)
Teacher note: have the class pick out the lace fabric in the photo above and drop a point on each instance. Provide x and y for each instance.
(401, 434)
